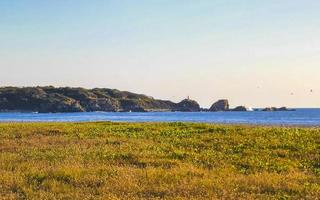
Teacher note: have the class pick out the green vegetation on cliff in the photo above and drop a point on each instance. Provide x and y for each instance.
(107, 160)
(51, 99)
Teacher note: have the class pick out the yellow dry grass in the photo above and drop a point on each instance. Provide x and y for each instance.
(106, 160)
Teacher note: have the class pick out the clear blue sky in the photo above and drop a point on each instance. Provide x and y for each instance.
(255, 53)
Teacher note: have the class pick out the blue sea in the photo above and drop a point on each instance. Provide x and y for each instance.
(304, 117)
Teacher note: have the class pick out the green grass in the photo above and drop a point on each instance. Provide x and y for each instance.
(107, 160)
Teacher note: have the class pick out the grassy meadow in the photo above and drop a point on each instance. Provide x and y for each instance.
(108, 160)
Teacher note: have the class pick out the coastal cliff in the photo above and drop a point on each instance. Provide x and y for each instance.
(66, 99)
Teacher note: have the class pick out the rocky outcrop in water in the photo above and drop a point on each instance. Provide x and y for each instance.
(187, 105)
(271, 109)
(221, 105)
(240, 109)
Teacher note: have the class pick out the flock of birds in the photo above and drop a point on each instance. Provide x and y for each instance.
(311, 91)
(292, 93)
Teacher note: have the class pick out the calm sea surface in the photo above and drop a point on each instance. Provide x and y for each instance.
(307, 117)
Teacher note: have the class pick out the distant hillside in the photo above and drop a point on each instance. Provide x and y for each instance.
(66, 99)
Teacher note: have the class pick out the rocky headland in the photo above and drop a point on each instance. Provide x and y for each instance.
(66, 99)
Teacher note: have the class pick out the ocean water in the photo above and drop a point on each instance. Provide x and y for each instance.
(305, 117)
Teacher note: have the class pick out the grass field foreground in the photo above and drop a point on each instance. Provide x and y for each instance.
(108, 160)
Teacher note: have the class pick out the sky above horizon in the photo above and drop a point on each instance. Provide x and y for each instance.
(254, 53)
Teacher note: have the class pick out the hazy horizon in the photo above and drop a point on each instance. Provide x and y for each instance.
(253, 53)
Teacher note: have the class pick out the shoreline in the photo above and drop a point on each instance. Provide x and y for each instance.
(252, 125)
(299, 118)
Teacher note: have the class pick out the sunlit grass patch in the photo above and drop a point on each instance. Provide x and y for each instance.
(107, 160)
